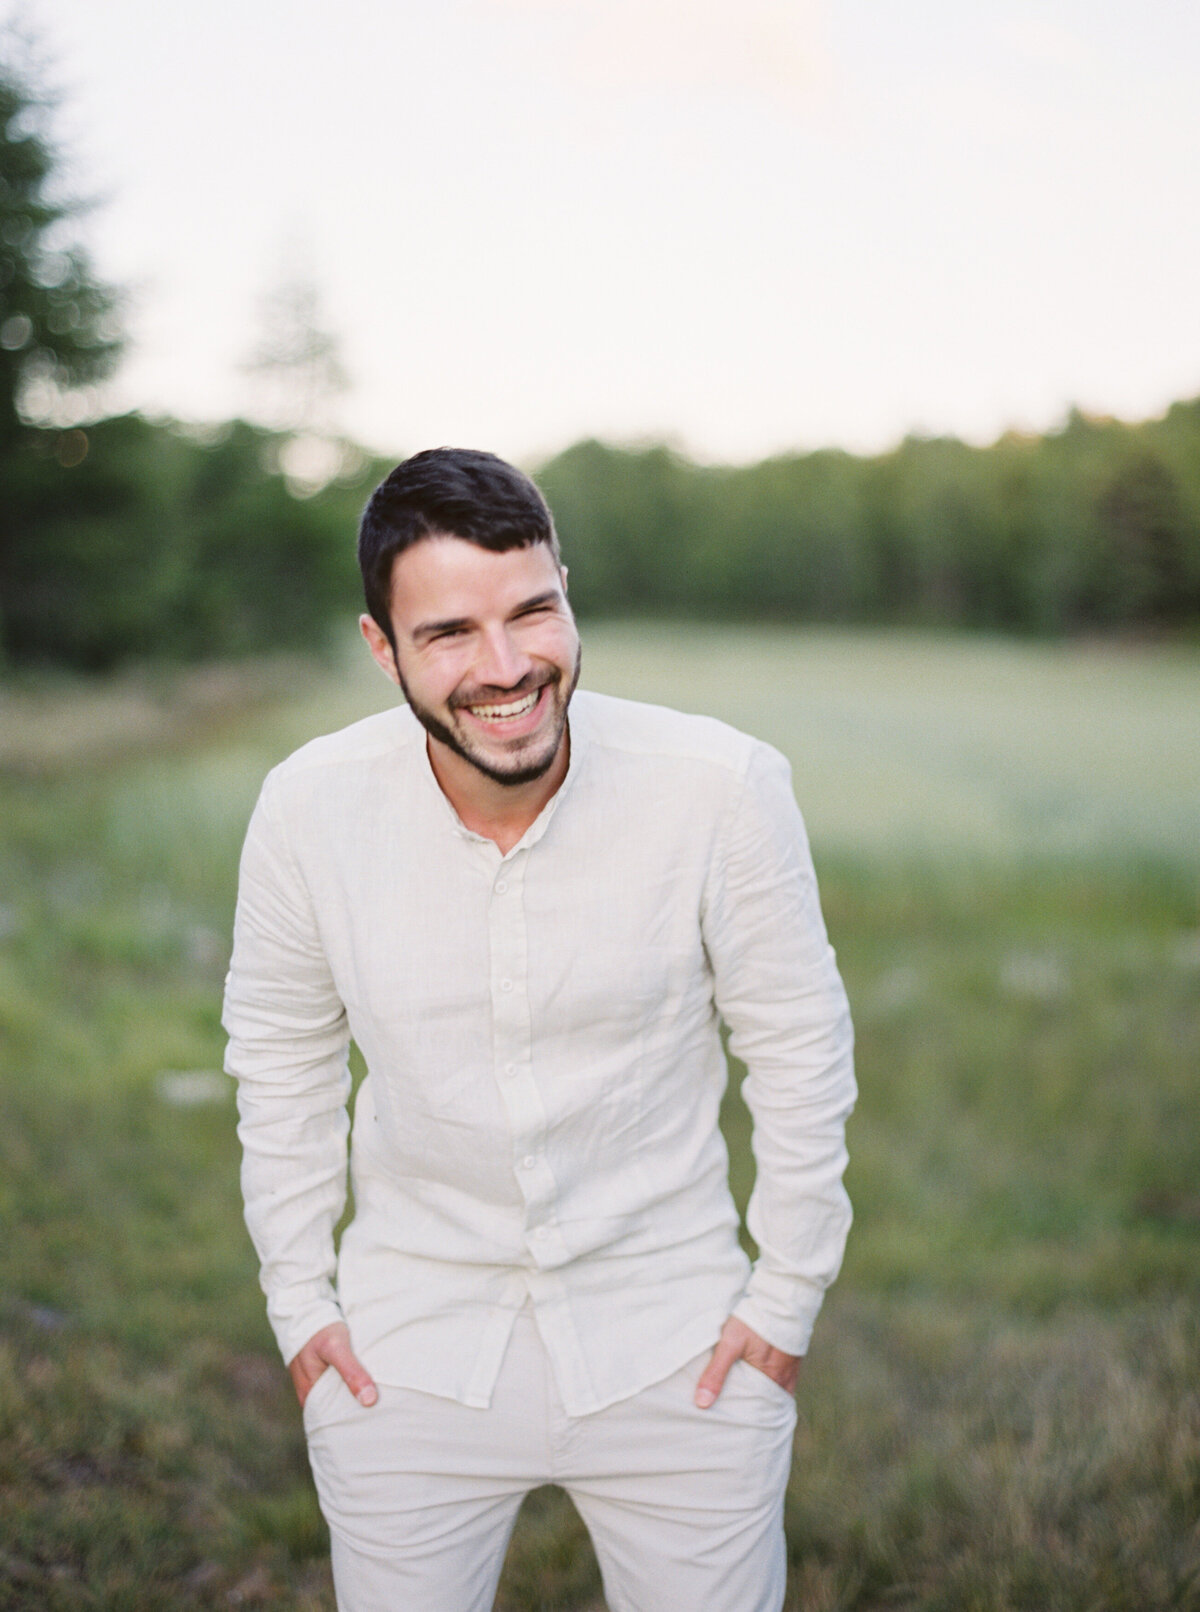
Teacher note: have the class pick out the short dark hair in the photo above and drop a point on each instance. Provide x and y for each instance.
(447, 492)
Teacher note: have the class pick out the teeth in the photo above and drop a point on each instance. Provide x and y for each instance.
(496, 713)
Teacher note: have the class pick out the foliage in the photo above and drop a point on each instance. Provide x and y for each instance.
(131, 540)
(127, 539)
(136, 540)
(1090, 528)
(296, 362)
(57, 321)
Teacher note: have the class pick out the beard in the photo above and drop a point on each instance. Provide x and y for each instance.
(524, 767)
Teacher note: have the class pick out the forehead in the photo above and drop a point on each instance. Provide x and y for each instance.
(443, 578)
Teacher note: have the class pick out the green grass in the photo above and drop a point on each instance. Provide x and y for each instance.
(1002, 1405)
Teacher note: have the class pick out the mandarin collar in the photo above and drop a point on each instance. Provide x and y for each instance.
(578, 738)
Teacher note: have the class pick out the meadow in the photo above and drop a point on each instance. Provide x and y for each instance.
(1001, 1409)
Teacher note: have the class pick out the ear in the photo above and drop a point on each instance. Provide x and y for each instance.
(562, 571)
(381, 650)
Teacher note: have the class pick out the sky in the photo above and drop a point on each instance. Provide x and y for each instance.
(739, 226)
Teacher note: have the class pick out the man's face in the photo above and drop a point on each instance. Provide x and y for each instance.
(486, 652)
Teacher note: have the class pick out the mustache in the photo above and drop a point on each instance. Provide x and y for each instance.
(491, 693)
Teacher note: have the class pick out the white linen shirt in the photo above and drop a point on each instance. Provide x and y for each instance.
(541, 1034)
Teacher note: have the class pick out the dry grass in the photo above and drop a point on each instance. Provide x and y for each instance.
(52, 723)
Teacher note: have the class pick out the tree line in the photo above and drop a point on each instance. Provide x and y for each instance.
(1090, 528)
(134, 540)
(126, 538)
(131, 539)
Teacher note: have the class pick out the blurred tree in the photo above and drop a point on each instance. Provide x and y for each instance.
(1093, 527)
(58, 325)
(297, 378)
(158, 544)
(296, 362)
(1139, 513)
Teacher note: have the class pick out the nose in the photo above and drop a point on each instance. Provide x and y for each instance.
(502, 663)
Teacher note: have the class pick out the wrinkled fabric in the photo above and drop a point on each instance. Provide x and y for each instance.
(684, 1506)
(541, 1032)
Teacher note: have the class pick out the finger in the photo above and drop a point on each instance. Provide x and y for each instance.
(781, 1369)
(712, 1379)
(304, 1371)
(352, 1371)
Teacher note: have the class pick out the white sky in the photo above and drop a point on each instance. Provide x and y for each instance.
(742, 225)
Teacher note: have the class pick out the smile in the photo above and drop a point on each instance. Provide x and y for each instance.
(506, 713)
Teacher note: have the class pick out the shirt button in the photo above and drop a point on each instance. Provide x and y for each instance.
(528, 1162)
(501, 887)
(506, 985)
(510, 1069)
(541, 1234)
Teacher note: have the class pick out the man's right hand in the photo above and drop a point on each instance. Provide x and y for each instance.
(331, 1348)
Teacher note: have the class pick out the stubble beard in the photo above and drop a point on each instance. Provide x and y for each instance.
(524, 771)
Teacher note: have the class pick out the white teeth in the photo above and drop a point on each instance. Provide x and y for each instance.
(497, 713)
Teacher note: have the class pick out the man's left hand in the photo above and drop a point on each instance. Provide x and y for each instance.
(739, 1342)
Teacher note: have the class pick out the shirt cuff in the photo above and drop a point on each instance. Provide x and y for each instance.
(781, 1310)
(293, 1329)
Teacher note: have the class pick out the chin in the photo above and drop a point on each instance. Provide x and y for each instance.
(523, 770)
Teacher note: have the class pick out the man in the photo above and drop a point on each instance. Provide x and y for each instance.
(531, 908)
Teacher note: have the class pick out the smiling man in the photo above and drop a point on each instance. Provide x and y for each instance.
(532, 909)
(501, 743)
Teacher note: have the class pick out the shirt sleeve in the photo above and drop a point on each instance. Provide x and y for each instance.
(288, 1050)
(778, 989)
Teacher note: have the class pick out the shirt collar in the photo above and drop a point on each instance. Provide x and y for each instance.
(579, 739)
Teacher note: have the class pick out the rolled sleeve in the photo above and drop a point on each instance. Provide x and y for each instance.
(288, 1050)
(778, 989)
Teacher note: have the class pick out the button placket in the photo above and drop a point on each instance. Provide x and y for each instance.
(512, 1047)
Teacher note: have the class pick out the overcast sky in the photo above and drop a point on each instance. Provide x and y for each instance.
(741, 225)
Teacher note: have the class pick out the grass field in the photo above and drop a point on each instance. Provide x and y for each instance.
(1002, 1405)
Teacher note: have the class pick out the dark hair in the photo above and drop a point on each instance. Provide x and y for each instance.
(447, 492)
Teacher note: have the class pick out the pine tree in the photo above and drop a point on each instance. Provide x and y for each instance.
(58, 327)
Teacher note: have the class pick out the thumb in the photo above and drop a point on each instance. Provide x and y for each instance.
(712, 1379)
(352, 1371)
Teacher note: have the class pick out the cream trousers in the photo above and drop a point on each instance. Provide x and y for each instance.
(684, 1507)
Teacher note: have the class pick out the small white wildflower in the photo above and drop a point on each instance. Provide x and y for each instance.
(1041, 977)
(192, 1088)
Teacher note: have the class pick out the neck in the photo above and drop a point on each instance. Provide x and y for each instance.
(499, 812)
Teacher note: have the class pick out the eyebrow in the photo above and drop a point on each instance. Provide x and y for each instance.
(550, 596)
(429, 629)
